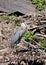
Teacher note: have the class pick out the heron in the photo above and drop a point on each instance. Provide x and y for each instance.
(16, 36)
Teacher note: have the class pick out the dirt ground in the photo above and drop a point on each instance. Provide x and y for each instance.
(20, 55)
(7, 28)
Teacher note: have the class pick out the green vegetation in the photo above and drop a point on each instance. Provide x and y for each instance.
(5, 17)
(12, 16)
(17, 23)
(40, 40)
(28, 36)
(43, 44)
(39, 3)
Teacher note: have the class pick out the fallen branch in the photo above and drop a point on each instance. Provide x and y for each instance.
(41, 35)
(31, 45)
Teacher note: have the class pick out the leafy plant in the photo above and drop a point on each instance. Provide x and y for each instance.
(43, 44)
(17, 23)
(14, 17)
(40, 40)
(28, 36)
(39, 3)
(34, 1)
(13, 14)
(5, 17)
(40, 6)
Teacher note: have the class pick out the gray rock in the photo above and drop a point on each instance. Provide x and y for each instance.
(11, 6)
